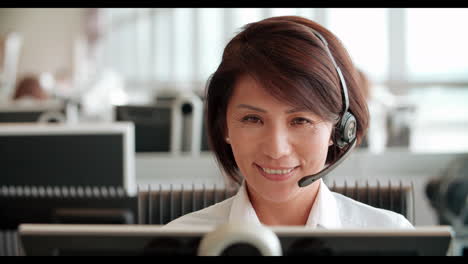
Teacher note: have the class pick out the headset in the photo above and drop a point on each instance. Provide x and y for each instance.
(346, 127)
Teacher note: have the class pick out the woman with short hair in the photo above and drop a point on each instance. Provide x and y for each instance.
(282, 110)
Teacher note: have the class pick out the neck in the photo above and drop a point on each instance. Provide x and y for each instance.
(294, 211)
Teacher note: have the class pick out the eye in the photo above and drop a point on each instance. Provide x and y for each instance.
(301, 121)
(251, 119)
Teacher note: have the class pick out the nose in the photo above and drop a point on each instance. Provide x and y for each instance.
(276, 143)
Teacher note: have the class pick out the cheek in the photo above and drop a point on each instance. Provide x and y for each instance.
(245, 148)
(242, 143)
(314, 150)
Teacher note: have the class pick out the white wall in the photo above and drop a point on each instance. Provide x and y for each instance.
(48, 35)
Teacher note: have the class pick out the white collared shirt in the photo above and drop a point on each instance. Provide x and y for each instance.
(330, 210)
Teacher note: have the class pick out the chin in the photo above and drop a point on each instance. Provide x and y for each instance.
(277, 192)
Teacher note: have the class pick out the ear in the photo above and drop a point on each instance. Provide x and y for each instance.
(330, 141)
(226, 135)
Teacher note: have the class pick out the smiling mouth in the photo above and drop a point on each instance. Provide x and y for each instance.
(273, 171)
(277, 174)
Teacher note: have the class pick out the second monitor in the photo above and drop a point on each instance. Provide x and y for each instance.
(62, 155)
(152, 125)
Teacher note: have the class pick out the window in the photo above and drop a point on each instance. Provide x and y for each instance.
(183, 36)
(284, 11)
(144, 44)
(437, 45)
(128, 59)
(211, 42)
(363, 31)
(162, 44)
(243, 16)
(174, 47)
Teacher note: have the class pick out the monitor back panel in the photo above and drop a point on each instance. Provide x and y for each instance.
(53, 173)
(152, 126)
(61, 160)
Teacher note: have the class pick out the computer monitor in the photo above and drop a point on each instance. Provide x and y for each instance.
(35, 156)
(421, 241)
(63, 173)
(173, 125)
(52, 111)
(152, 125)
(153, 240)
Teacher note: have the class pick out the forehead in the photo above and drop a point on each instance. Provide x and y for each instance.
(248, 90)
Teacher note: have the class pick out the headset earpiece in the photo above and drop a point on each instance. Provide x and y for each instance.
(346, 130)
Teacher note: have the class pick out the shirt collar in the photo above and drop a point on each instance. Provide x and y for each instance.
(324, 212)
(241, 209)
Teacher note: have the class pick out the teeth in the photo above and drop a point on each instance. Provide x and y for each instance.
(271, 171)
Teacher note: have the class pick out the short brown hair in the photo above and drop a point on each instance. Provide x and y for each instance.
(365, 84)
(289, 61)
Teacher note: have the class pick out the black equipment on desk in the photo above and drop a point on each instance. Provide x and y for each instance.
(69, 205)
(448, 195)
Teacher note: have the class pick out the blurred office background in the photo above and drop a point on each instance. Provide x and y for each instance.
(416, 60)
(412, 54)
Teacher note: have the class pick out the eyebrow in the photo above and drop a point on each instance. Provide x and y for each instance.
(290, 111)
(250, 107)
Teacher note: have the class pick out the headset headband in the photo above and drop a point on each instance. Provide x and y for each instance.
(344, 88)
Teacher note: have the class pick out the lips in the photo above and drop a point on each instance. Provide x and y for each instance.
(277, 174)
